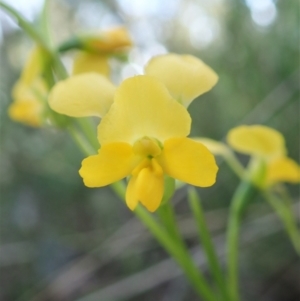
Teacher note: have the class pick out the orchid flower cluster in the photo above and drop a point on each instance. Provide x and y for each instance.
(143, 126)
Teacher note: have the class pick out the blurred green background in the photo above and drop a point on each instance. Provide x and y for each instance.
(63, 241)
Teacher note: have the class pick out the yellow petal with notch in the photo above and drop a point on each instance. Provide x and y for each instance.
(188, 161)
(256, 140)
(143, 107)
(185, 76)
(88, 94)
(114, 162)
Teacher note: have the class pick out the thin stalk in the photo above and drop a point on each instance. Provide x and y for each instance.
(166, 215)
(85, 147)
(38, 38)
(286, 215)
(89, 129)
(45, 22)
(185, 262)
(238, 202)
(171, 246)
(25, 25)
(234, 164)
(205, 238)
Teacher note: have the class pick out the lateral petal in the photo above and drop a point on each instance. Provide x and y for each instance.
(188, 161)
(88, 94)
(114, 162)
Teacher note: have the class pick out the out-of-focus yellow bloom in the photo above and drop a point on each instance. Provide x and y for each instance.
(185, 76)
(257, 140)
(98, 48)
(29, 92)
(114, 40)
(144, 136)
(267, 147)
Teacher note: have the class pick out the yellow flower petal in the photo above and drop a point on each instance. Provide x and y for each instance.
(283, 169)
(28, 105)
(146, 187)
(185, 76)
(189, 161)
(114, 162)
(88, 94)
(88, 62)
(143, 107)
(256, 140)
(28, 111)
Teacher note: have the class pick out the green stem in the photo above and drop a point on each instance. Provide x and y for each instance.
(45, 22)
(80, 141)
(191, 271)
(171, 246)
(238, 203)
(38, 38)
(286, 215)
(25, 25)
(234, 164)
(89, 129)
(206, 240)
(166, 215)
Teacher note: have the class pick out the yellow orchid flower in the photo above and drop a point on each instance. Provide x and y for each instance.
(267, 147)
(144, 136)
(28, 92)
(185, 76)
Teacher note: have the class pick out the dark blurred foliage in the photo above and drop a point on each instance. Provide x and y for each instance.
(61, 240)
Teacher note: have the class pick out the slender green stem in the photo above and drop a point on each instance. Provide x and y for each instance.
(166, 215)
(234, 164)
(38, 38)
(171, 246)
(186, 263)
(166, 211)
(238, 203)
(80, 141)
(25, 25)
(285, 213)
(207, 243)
(89, 129)
(45, 22)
